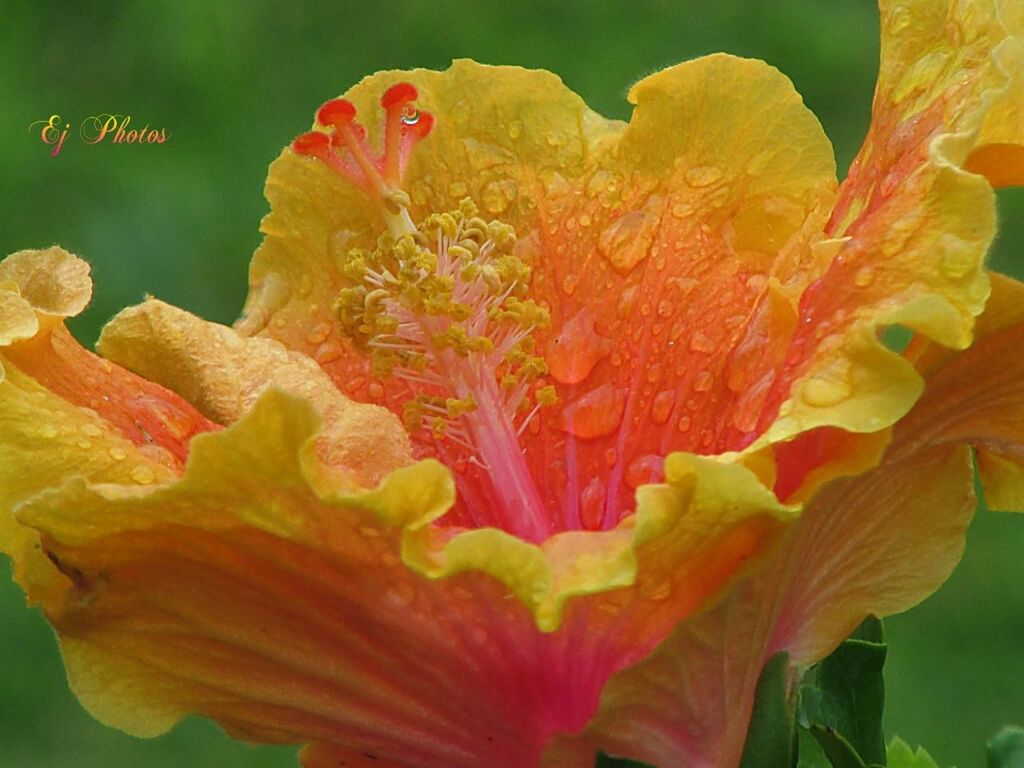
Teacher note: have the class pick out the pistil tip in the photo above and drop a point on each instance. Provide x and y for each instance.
(336, 112)
(398, 95)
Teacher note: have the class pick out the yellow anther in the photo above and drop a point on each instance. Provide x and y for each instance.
(546, 395)
(442, 304)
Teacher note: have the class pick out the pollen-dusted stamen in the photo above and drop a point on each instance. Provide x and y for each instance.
(446, 310)
(343, 148)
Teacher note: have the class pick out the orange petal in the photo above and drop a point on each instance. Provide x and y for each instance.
(878, 544)
(254, 593)
(990, 378)
(874, 544)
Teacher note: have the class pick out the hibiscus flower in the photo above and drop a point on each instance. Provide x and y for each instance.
(541, 433)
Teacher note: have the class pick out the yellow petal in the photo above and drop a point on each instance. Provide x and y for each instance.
(254, 593)
(912, 223)
(222, 374)
(497, 129)
(50, 434)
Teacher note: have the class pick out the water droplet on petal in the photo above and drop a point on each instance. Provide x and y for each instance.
(684, 424)
(143, 475)
(595, 414)
(457, 189)
(569, 283)
(627, 301)
(701, 342)
(611, 456)
(375, 390)
(515, 129)
(573, 353)
(824, 391)
(864, 277)
(627, 240)
(957, 257)
(661, 406)
(411, 115)
(497, 195)
(48, 431)
(703, 176)
(592, 499)
(682, 210)
(644, 470)
(703, 381)
(117, 454)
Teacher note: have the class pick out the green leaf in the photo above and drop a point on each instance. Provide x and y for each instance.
(900, 755)
(1006, 750)
(607, 761)
(771, 735)
(836, 748)
(845, 699)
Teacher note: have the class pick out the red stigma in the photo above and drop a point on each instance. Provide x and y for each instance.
(399, 95)
(336, 112)
(343, 148)
(313, 143)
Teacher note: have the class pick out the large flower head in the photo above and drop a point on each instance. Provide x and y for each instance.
(540, 432)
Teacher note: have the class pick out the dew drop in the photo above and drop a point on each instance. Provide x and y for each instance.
(611, 456)
(497, 195)
(864, 277)
(411, 115)
(701, 342)
(592, 499)
(957, 259)
(117, 454)
(682, 210)
(627, 240)
(684, 424)
(555, 139)
(824, 391)
(703, 381)
(327, 353)
(654, 373)
(319, 334)
(573, 353)
(375, 390)
(585, 220)
(703, 176)
(661, 406)
(143, 475)
(515, 129)
(627, 301)
(665, 308)
(457, 189)
(84, 444)
(707, 437)
(644, 470)
(569, 283)
(594, 414)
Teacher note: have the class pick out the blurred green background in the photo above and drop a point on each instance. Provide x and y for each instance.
(233, 82)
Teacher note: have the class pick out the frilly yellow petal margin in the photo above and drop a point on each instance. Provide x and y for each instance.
(269, 452)
(53, 281)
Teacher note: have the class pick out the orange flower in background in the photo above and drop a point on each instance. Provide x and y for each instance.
(540, 432)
